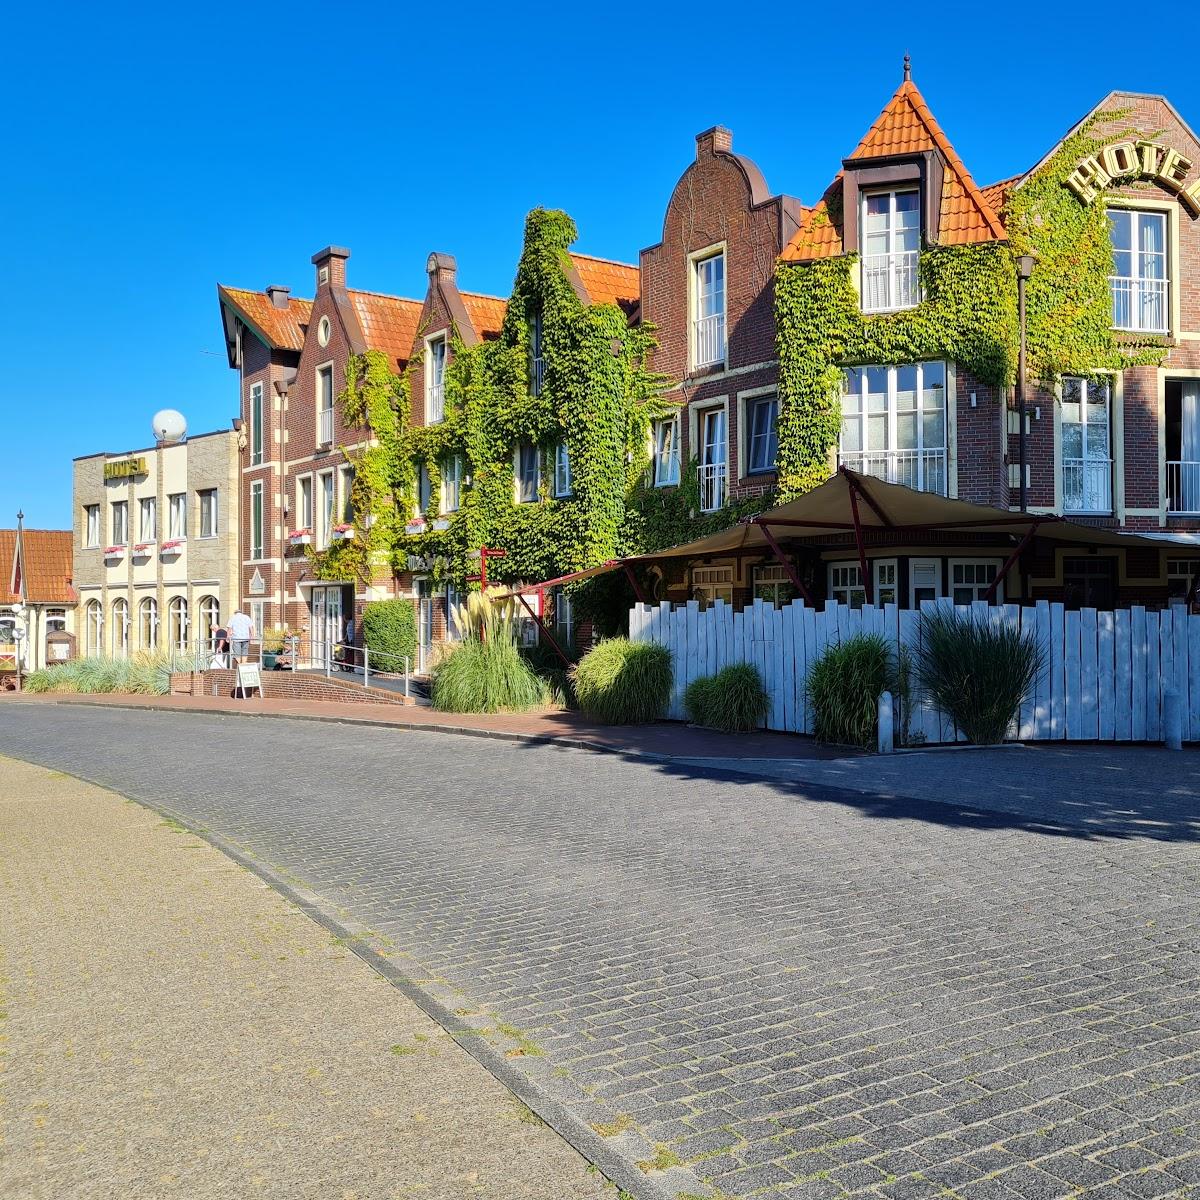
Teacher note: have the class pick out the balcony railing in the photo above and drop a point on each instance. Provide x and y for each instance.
(922, 470)
(1183, 488)
(1139, 305)
(1087, 485)
(325, 427)
(712, 487)
(709, 340)
(435, 404)
(890, 281)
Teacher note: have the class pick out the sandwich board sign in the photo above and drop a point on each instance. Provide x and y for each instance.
(249, 675)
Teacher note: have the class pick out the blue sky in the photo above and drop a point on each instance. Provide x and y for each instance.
(157, 150)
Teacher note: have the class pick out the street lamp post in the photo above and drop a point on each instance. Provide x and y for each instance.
(1024, 270)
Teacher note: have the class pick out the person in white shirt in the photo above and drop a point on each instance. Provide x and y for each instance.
(241, 632)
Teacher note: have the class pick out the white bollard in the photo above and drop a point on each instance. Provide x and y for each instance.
(886, 724)
(1172, 719)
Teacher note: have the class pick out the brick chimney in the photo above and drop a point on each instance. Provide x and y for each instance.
(279, 295)
(442, 268)
(331, 266)
(717, 140)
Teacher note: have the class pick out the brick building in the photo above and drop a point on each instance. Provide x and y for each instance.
(37, 594)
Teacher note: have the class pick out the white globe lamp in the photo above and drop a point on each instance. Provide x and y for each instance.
(169, 426)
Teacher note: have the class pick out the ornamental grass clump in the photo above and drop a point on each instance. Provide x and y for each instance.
(733, 700)
(844, 686)
(145, 674)
(977, 672)
(620, 682)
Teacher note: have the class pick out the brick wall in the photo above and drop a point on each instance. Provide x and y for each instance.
(282, 685)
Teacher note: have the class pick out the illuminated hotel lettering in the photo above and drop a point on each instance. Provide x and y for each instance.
(1125, 161)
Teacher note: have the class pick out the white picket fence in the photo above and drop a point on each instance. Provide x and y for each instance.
(1103, 679)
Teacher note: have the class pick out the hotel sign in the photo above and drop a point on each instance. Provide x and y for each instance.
(1123, 162)
(125, 468)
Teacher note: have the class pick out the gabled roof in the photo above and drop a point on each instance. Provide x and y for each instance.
(906, 126)
(279, 328)
(609, 282)
(388, 323)
(997, 193)
(46, 566)
(486, 313)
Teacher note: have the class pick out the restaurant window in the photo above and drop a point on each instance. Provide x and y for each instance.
(970, 580)
(208, 511)
(891, 242)
(120, 522)
(256, 424)
(177, 515)
(91, 521)
(713, 444)
(666, 452)
(846, 582)
(562, 470)
(527, 466)
(1089, 582)
(771, 583)
(1139, 279)
(894, 424)
(708, 310)
(1086, 446)
(710, 584)
(148, 519)
(763, 416)
(435, 380)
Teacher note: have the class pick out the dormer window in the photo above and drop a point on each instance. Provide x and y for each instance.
(1139, 280)
(435, 379)
(891, 241)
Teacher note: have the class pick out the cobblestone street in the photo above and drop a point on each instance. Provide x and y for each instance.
(770, 985)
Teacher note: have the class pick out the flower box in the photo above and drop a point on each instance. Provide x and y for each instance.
(143, 550)
(173, 547)
(342, 533)
(441, 524)
(300, 537)
(114, 554)
(415, 526)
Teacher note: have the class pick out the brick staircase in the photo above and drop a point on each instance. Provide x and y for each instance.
(283, 685)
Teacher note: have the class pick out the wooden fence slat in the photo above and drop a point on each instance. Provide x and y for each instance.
(1179, 650)
(1137, 671)
(1106, 681)
(1154, 677)
(1072, 695)
(1193, 627)
(1123, 676)
(1058, 673)
(1089, 699)
(1166, 677)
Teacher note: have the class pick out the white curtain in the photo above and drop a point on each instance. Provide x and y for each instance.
(1189, 447)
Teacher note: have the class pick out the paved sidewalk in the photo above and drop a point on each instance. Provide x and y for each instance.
(176, 1029)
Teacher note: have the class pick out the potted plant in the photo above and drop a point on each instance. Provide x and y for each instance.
(273, 641)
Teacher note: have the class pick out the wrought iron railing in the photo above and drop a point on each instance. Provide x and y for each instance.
(890, 281)
(1139, 305)
(435, 404)
(325, 426)
(1183, 488)
(922, 470)
(709, 337)
(712, 487)
(1087, 485)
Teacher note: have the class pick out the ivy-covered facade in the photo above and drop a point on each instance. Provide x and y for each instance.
(602, 409)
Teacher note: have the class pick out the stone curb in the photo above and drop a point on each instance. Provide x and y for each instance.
(621, 1170)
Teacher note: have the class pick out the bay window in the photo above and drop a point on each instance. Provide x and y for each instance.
(894, 424)
(891, 242)
(1139, 279)
(1086, 446)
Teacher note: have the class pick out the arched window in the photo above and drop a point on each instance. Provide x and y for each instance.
(177, 622)
(210, 619)
(120, 628)
(148, 623)
(94, 630)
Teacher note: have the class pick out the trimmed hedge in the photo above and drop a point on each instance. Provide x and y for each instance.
(620, 682)
(389, 627)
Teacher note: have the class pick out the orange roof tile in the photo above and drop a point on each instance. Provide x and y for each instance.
(996, 193)
(388, 323)
(906, 126)
(486, 312)
(609, 282)
(47, 566)
(282, 328)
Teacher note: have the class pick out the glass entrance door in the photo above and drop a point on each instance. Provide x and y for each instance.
(325, 622)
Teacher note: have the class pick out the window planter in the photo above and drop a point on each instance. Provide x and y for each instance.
(114, 554)
(441, 524)
(172, 548)
(415, 526)
(300, 537)
(342, 533)
(143, 550)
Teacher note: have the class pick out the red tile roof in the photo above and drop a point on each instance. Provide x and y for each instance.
(388, 323)
(486, 312)
(280, 328)
(906, 126)
(609, 282)
(47, 566)
(996, 193)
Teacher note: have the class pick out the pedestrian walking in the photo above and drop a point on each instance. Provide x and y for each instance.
(241, 633)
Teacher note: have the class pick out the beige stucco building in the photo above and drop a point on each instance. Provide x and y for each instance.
(155, 544)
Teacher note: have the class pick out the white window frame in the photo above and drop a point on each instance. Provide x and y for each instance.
(1084, 462)
(713, 476)
(121, 622)
(147, 519)
(435, 382)
(179, 623)
(562, 471)
(751, 402)
(901, 267)
(325, 499)
(913, 585)
(91, 527)
(346, 493)
(306, 510)
(257, 439)
(257, 521)
(212, 495)
(1135, 284)
(119, 526)
(209, 609)
(177, 515)
(325, 416)
(844, 578)
(708, 345)
(916, 466)
(772, 576)
(147, 623)
(977, 586)
(93, 628)
(451, 488)
(665, 466)
(710, 584)
(519, 478)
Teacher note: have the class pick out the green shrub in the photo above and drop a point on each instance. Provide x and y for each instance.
(733, 700)
(620, 682)
(389, 629)
(844, 685)
(487, 676)
(976, 672)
